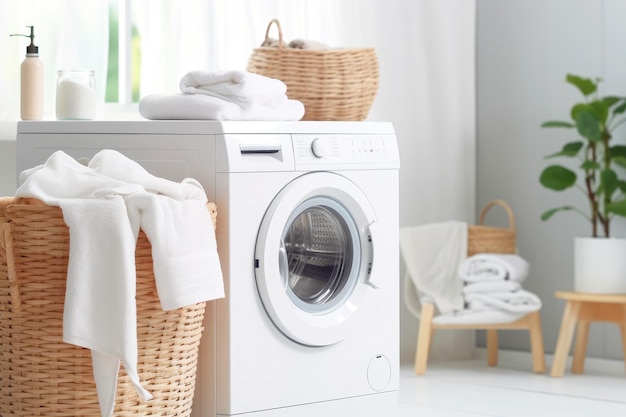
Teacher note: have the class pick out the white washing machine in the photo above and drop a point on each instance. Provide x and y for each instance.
(308, 240)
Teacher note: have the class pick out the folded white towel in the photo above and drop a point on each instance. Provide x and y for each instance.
(520, 301)
(432, 254)
(486, 316)
(486, 287)
(241, 87)
(205, 107)
(491, 267)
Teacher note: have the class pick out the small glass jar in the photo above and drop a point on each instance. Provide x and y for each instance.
(76, 95)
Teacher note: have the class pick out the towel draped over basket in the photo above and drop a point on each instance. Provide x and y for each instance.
(102, 285)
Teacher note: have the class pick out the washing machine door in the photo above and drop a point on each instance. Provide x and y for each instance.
(313, 258)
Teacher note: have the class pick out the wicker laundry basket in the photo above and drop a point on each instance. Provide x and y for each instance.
(40, 375)
(489, 239)
(333, 84)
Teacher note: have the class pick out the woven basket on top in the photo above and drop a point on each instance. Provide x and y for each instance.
(40, 375)
(333, 84)
(488, 239)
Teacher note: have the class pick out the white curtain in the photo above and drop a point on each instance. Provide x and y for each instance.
(178, 36)
(425, 50)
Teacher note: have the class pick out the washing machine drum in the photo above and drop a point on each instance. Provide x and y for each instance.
(313, 258)
(319, 253)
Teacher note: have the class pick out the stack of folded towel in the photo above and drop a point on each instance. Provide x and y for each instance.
(104, 205)
(492, 289)
(224, 95)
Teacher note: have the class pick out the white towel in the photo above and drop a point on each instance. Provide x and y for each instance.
(205, 107)
(519, 301)
(113, 164)
(184, 251)
(244, 88)
(492, 267)
(487, 287)
(100, 309)
(484, 316)
(307, 44)
(100, 299)
(493, 292)
(432, 254)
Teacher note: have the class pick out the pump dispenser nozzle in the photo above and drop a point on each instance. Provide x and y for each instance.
(31, 81)
(32, 48)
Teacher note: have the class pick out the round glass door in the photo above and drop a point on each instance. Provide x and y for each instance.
(313, 255)
(321, 250)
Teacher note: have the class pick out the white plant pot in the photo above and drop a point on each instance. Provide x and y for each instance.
(600, 265)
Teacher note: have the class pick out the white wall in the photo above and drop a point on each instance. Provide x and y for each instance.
(7, 158)
(524, 50)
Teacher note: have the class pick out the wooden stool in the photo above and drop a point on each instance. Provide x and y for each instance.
(580, 310)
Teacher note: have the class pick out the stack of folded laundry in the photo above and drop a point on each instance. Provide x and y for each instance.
(492, 289)
(224, 95)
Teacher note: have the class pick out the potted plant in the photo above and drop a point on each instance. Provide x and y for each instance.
(601, 163)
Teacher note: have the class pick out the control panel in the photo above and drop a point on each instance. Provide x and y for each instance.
(344, 149)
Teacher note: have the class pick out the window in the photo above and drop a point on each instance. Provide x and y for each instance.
(159, 42)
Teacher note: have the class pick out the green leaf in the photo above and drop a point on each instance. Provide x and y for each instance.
(557, 123)
(617, 150)
(585, 85)
(620, 160)
(621, 184)
(589, 166)
(608, 179)
(570, 149)
(589, 125)
(620, 109)
(601, 110)
(617, 207)
(558, 178)
(611, 100)
(546, 215)
(577, 108)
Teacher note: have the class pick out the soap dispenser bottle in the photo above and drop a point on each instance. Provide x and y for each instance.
(31, 73)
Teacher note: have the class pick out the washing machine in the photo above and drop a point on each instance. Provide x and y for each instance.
(307, 234)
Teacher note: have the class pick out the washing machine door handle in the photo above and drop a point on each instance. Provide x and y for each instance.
(283, 263)
(371, 232)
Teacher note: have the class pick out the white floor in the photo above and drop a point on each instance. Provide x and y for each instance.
(471, 389)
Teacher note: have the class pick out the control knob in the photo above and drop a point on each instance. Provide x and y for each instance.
(318, 148)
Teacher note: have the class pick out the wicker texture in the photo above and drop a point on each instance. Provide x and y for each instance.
(488, 239)
(332, 84)
(40, 375)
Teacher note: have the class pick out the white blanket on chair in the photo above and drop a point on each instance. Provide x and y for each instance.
(432, 254)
